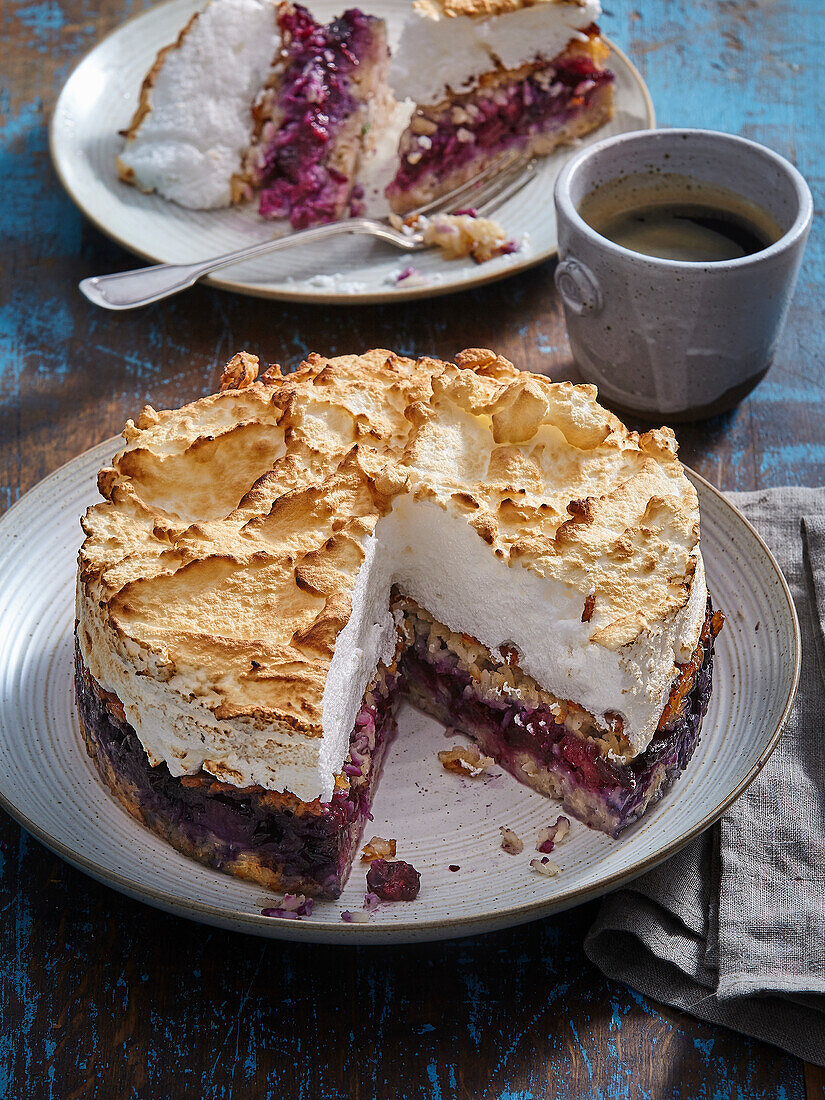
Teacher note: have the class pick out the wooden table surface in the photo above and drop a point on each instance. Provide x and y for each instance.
(103, 997)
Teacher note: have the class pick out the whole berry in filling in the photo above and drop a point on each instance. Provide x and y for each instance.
(396, 881)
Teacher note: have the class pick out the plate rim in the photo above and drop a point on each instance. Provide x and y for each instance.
(262, 290)
(309, 930)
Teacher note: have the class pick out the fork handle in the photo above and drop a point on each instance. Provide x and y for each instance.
(144, 285)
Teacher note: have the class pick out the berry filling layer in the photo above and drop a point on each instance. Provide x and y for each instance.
(507, 112)
(274, 839)
(281, 842)
(537, 745)
(311, 123)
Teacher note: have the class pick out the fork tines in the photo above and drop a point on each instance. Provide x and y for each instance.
(488, 189)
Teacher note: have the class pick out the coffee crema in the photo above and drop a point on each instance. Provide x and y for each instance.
(674, 217)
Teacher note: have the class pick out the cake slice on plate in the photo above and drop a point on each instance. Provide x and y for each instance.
(258, 100)
(273, 566)
(489, 77)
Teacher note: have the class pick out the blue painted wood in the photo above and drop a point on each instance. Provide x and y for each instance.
(101, 997)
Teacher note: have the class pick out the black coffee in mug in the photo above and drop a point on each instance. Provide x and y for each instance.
(675, 217)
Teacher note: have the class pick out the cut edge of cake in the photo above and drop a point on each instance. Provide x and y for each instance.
(283, 844)
(481, 109)
(316, 118)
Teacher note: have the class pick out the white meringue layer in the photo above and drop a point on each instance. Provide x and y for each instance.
(438, 55)
(190, 143)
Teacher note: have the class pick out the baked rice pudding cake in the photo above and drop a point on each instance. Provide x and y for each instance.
(489, 77)
(274, 565)
(257, 100)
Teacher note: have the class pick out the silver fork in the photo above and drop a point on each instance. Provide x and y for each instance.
(485, 192)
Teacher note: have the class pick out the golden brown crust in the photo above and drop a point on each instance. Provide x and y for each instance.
(482, 8)
(240, 372)
(225, 553)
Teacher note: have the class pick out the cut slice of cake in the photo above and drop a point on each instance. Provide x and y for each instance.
(258, 100)
(327, 92)
(490, 77)
(275, 565)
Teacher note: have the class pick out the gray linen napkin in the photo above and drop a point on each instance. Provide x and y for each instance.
(732, 928)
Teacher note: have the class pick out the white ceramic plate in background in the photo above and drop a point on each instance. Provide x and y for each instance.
(100, 97)
(49, 784)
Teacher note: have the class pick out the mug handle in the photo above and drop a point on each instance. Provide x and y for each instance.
(578, 287)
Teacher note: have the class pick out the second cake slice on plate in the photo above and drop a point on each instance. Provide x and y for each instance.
(490, 77)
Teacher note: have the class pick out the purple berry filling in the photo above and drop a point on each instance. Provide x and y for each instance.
(506, 116)
(393, 881)
(605, 793)
(314, 99)
(308, 845)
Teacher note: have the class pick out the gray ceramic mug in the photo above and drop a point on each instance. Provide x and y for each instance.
(683, 340)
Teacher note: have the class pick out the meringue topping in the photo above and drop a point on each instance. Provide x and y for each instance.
(447, 46)
(233, 588)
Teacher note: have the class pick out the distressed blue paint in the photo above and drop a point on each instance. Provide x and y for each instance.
(42, 19)
(435, 1085)
(704, 1045)
(584, 1055)
(643, 1003)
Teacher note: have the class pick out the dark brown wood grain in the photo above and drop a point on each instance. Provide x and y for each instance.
(814, 1083)
(103, 997)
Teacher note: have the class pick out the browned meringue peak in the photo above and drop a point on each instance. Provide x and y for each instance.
(550, 479)
(171, 457)
(485, 8)
(253, 609)
(222, 565)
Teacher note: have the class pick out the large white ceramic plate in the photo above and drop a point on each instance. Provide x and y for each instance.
(100, 96)
(49, 784)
